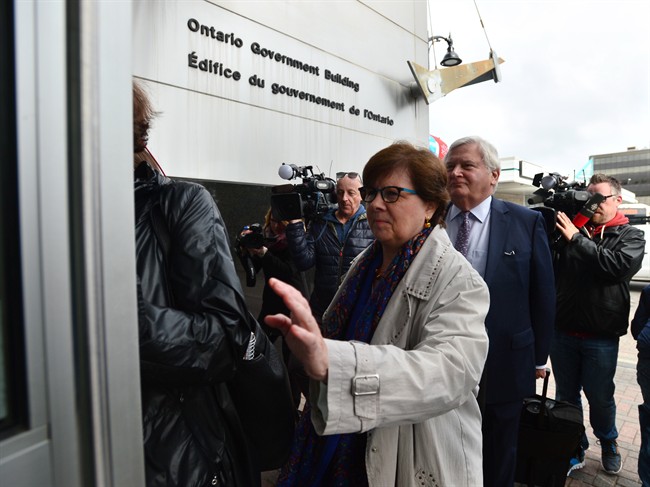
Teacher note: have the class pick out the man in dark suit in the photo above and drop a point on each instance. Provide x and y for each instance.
(508, 245)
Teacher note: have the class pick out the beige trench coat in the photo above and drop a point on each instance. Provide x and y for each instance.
(413, 389)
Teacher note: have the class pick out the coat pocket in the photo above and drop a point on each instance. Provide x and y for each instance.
(522, 339)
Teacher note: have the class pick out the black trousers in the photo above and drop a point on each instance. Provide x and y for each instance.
(500, 433)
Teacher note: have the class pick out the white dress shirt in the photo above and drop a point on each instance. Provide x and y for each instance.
(479, 232)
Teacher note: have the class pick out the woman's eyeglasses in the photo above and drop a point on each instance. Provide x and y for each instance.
(351, 175)
(390, 194)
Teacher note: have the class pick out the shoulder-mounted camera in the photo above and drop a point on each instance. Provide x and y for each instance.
(313, 198)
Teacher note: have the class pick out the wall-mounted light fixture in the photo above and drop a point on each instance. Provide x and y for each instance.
(451, 58)
(437, 83)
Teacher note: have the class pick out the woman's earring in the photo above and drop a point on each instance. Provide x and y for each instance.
(427, 222)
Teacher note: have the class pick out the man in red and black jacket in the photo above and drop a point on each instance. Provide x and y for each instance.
(593, 273)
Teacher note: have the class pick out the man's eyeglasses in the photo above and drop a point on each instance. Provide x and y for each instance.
(351, 175)
(390, 194)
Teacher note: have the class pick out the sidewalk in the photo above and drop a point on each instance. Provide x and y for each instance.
(628, 397)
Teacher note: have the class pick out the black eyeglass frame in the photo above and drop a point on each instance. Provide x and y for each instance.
(604, 196)
(369, 194)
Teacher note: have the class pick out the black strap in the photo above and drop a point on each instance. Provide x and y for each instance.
(546, 378)
(543, 409)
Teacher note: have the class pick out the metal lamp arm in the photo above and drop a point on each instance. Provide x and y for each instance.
(441, 38)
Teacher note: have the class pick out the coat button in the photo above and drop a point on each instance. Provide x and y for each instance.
(374, 449)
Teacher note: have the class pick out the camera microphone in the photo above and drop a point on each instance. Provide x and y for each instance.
(288, 171)
(535, 199)
(588, 210)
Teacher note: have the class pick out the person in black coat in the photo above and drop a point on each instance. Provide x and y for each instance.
(640, 328)
(594, 267)
(274, 259)
(199, 346)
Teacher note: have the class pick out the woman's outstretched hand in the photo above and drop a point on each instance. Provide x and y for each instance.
(300, 332)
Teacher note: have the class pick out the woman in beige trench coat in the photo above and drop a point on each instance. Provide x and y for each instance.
(395, 369)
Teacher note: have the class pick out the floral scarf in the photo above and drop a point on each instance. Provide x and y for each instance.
(338, 460)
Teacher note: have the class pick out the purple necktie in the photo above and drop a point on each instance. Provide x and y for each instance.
(462, 239)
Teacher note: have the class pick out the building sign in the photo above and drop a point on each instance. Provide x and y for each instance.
(218, 69)
(226, 55)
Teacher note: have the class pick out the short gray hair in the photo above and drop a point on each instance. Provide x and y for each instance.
(488, 151)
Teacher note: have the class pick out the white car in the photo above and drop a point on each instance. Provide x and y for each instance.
(644, 272)
(639, 215)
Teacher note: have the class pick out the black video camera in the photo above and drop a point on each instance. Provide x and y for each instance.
(569, 197)
(313, 198)
(253, 239)
(556, 193)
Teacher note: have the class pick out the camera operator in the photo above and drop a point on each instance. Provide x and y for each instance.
(269, 251)
(271, 254)
(331, 242)
(593, 273)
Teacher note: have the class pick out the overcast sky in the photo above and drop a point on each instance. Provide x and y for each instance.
(576, 77)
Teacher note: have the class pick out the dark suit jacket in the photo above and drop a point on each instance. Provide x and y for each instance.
(520, 323)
